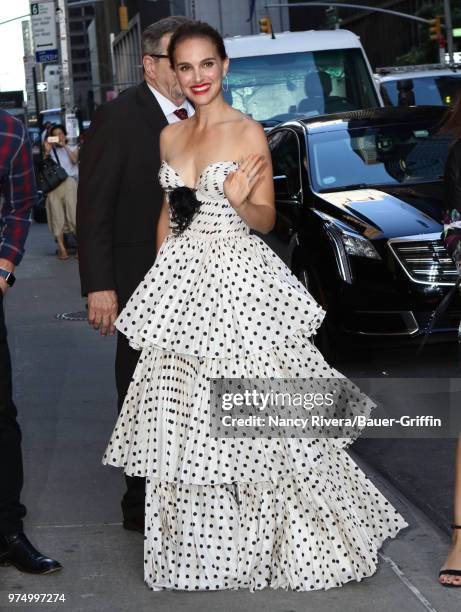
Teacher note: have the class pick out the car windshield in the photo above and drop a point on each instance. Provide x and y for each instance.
(388, 155)
(274, 88)
(439, 91)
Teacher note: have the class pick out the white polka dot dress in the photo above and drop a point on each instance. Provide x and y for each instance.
(228, 513)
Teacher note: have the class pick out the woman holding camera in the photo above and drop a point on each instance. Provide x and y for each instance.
(61, 203)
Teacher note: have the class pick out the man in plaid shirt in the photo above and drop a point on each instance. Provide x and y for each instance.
(18, 194)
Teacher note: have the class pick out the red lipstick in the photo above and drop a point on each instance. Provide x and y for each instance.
(203, 88)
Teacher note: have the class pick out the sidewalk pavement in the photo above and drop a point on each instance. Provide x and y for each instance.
(64, 389)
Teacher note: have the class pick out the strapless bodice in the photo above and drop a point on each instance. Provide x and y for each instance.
(215, 215)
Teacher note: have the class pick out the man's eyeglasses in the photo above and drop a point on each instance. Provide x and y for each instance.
(158, 55)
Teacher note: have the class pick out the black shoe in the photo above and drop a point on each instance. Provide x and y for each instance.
(18, 551)
(134, 524)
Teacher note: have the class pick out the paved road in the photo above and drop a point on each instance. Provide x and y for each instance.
(420, 468)
(64, 387)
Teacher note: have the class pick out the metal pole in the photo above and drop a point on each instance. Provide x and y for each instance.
(67, 98)
(15, 19)
(281, 19)
(37, 105)
(221, 24)
(360, 7)
(449, 30)
(66, 74)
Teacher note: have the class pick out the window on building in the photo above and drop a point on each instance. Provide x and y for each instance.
(79, 54)
(76, 26)
(81, 67)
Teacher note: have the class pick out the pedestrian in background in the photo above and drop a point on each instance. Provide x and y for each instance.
(450, 573)
(18, 188)
(61, 203)
(119, 203)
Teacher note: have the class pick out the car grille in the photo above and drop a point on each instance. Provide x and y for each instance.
(425, 260)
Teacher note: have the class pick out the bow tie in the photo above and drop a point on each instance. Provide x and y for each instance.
(181, 113)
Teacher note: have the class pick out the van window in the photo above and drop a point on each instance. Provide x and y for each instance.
(439, 91)
(274, 88)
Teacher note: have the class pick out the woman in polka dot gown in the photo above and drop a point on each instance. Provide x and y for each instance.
(224, 513)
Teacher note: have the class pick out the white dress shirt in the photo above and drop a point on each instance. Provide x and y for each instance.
(65, 160)
(168, 107)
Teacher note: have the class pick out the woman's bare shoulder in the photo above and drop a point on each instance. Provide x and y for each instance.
(252, 127)
(242, 125)
(169, 135)
(169, 131)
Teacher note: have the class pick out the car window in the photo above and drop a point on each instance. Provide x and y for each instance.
(440, 91)
(393, 154)
(284, 147)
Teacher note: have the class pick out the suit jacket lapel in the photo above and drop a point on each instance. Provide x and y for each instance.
(150, 107)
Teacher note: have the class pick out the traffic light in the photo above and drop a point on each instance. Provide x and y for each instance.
(265, 25)
(123, 17)
(435, 28)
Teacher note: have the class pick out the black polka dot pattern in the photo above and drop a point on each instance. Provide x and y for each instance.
(217, 291)
(235, 512)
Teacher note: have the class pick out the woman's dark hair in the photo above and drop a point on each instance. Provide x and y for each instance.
(183, 206)
(196, 29)
(56, 126)
(452, 120)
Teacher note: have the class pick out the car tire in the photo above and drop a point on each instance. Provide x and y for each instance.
(327, 339)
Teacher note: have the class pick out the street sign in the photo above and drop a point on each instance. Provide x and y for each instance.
(456, 32)
(42, 87)
(72, 127)
(50, 56)
(43, 17)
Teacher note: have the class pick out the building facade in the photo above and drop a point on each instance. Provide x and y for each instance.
(89, 37)
(384, 37)
(238, 17)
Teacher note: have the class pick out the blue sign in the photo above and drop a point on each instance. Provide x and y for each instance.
(51, 55)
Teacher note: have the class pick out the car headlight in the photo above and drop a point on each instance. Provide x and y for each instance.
(352, 242)
(355, 244)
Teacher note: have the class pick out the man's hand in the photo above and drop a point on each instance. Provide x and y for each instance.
(102, 311)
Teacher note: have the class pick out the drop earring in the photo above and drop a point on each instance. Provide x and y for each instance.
(227, 85)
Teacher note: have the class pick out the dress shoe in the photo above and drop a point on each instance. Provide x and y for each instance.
(134, 524)
(16, 550)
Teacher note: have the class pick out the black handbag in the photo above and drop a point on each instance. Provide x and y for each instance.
(50, 174)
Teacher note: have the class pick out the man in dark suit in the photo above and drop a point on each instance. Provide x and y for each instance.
(119, 202)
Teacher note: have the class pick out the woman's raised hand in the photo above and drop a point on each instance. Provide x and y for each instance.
(47, 147)
(238, 184)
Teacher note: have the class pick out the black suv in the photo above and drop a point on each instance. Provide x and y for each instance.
(359, 199)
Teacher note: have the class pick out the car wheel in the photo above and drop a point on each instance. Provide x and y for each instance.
(326, 339)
